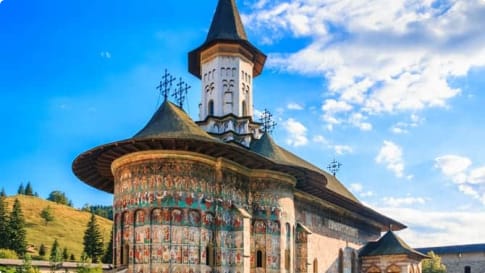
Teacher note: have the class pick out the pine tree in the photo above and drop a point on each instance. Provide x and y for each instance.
(16, 230)
(21, 189)
(65, 255)
(93, 243)
(3, 223)
(72, 258)
(28, 190)
(2, 193)
(108, 254)
(55, 255)
(42, 250)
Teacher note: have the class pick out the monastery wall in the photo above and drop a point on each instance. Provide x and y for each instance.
(180, 212)
(456, 263)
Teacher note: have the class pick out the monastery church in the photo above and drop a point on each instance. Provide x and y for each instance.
(220, 196)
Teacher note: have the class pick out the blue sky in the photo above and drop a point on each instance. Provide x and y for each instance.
(392, 89)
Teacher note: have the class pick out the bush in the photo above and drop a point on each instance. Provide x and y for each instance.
(8, 254)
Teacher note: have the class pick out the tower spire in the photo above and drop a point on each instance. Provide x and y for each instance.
(226, 23)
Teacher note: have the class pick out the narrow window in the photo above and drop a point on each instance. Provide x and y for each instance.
(124, 255)
(353, 264)
(315, 266)
(259, 258)
(244, 109)
(468, 269)
(340, 261)
(211, 108)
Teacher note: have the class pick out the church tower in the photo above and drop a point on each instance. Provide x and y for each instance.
(226, 64)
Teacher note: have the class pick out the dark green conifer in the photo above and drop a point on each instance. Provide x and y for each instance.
(108, 254)
(55, 255)
(3, 223)
(42, 250)
(28, 190)
(16, 230)
(93, 242)
(21, 189)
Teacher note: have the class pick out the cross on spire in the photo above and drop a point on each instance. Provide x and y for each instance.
(334, 167)
(165, 84)
(180, 93)
(268, 123)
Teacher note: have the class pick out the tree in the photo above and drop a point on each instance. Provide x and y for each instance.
(93, 242)
(55, 255)
(21, 189)
(3, 223)
(60, 198)
(16, 230)
(108, 254)
(42, 250)
(46, 214)
(65, 255)
(433, 264)
(28, 190)
(72, 258)
(2, 193)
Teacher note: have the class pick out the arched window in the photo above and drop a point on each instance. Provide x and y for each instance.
(210, 108)
(468, 269)
(315, 266)
(340, 261)
(353, 263)
(209, 258)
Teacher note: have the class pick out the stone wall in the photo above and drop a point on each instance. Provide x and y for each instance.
(456, 263)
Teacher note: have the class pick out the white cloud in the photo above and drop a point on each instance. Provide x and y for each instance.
(358, 189)
(296, 133)
(294, 106)
(453, 166)
(403, 127)
(438, 228)
(320, 139)
(403, 201)
(378, 56)
(470, 182)
(342, 149)
(105, 54)
(390, 155)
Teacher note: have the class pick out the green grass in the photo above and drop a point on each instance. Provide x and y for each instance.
(67, 227)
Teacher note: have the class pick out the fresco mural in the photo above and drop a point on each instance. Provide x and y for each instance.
(172, 213)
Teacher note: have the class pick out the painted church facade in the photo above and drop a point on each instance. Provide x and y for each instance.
(219, 195)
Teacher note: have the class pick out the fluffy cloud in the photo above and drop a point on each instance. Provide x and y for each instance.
(390, 155)
(457, 168)
(378, 56)
(296, 133)
(403, 201)
(294, 106)
(358, 189)
(435, 228)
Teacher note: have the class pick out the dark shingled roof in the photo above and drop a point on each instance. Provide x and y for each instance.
(390, 244)
(454, 249)
(226, 27)
(172, 122)
(267, 147)
(226, 23)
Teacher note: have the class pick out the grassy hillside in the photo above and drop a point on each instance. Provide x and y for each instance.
(67, 227)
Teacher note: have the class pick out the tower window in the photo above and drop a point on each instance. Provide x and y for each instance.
(468, 269)
(244, 109)
(340, 261)
(211, 108)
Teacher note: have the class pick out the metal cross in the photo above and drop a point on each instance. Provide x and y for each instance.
(334, 167)
(180, 92)
(268, 123)
(165, 84)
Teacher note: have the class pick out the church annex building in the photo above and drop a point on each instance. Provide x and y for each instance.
(220, 196)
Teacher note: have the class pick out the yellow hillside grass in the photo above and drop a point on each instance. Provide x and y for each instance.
(67, 227)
